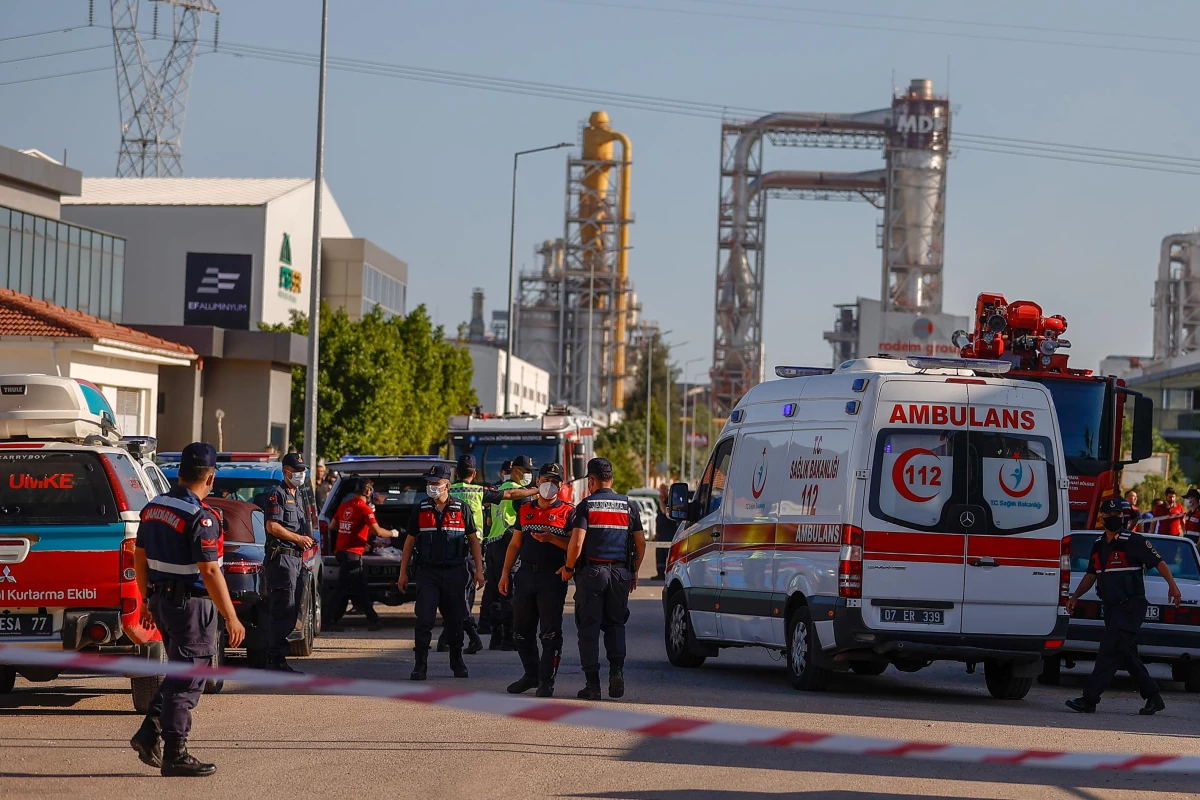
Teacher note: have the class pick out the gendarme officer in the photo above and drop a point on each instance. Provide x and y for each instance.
(442, 531)
(605, 553)
(178, 567)
(283, 507)
(1115, 566)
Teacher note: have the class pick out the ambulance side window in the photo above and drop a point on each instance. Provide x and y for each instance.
(712, 484)
(1014, 477)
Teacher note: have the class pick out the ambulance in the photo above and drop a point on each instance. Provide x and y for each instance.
(885, 512)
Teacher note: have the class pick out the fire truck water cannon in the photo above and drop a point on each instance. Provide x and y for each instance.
(1016, 332)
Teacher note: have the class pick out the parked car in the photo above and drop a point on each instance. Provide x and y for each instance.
(647, 503)
(244, 477)
(399, 487)
(1169, 635)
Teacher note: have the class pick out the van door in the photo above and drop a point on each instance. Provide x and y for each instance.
(913, 541)
(757, 479)
(1012, 573)
(702, 543)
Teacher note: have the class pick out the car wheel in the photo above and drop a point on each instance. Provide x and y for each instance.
(8, 679)
(319, 607)
(678, 635)
(303, 646)
(215, 685)
(1051, 672)
(145, 687)
(1188, 674)
(1003, 685)
(868, 667)
(802, 668)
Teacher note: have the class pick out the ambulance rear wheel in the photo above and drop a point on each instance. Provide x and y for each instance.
(1003, 685)
(679, 635)
(803, 671)
(8, 679)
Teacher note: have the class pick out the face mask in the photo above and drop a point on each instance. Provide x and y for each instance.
(504, 476)
(296, 479)
(526, 479)
(548, 490)
(434, 490)
(1112, 523)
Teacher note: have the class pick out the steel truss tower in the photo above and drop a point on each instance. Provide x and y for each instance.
(153, 95)
(1177, 297)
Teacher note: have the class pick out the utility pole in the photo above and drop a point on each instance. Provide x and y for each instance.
(649, 383)
(314, 281)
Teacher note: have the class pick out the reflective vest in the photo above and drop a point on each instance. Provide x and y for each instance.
(472, 497)
(552, 520)
(442, 543)
(504, 516)
(607, 526)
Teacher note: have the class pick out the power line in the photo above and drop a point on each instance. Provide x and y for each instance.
(1028, 154)
(59, 75)
(1132, 155)
(39, 33)
(60, 53)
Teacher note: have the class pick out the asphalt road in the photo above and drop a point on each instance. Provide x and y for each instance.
(69, 738)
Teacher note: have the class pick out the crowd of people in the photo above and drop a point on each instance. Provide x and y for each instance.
(1165, 515)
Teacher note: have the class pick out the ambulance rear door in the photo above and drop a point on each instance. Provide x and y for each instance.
(915, 509)
(1012, 572)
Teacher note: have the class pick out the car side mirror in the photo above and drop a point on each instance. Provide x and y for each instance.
(1143, 428)
(677, 501)
(578, 466)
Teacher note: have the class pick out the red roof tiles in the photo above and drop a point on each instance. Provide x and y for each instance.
(21, 315)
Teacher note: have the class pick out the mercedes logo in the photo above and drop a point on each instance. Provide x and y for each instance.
(966, 519)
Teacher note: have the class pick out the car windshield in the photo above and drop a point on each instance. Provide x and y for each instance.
(242, 488)
(1082, 415)
(491, 455)
(1178, 553)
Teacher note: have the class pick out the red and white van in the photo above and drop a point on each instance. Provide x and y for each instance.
(885, 512)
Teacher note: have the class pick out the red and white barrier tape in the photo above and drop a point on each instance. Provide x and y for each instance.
(607, 717)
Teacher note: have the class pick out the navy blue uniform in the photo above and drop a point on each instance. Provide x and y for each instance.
(283, 504)
(603, 576)
(443, 547)
(1118, 566)
(178, 532)
(538, 594)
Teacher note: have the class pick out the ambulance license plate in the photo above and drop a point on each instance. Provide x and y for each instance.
(917, 616)
(26, 625)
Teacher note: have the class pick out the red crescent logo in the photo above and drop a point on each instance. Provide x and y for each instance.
(1010, 492)
(756, 488)
(898, 475)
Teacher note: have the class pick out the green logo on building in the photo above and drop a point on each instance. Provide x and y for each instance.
(285, 252)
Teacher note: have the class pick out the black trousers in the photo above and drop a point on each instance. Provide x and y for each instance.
(440, 589)
(602, 606)
(189, 634)
(1118, 650)
(498, 607)
(282, 574)
(351, 585)
(538, 599)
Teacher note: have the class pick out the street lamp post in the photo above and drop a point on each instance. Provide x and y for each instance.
(512, 244)
(314, 279)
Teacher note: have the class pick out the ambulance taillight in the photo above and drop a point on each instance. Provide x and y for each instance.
(850, 563)
(1064, 573)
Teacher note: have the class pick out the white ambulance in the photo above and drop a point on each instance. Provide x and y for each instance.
(885, 512)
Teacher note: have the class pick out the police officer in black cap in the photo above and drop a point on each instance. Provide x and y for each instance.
(605, 553)
(442, 531)
(178, 566)
(283, 507)
(1115, 566)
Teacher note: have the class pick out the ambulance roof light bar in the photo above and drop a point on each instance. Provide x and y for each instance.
(802, 372)
(992, 366)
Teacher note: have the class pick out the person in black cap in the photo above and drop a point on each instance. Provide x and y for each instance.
(539, 550)
(475, 496)
(605, 553)
(1191, 518)
(283, 507)
(443, 533)
(1115, 567)
(495, 545)
(177, 563)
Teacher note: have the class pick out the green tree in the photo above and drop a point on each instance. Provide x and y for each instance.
(386, 386)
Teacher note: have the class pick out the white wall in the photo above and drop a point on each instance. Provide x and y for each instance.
(531, 390)
(292, 214)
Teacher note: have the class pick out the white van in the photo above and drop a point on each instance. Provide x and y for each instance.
(886, 512)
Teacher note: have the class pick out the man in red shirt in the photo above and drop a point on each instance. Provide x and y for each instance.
(355, 522)
(1169, 507)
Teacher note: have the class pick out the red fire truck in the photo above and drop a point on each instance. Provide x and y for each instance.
(1091, 408)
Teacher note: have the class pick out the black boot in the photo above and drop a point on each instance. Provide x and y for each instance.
(497, 640)
(530, 679)
(485, 625)
(545, 682)
(1082, 705)
(592, 690)
(422, 666)
(277, 663)
(179, 763)
(148, 742)
(616, 679)
(442, 645)
(1153, 705)
(457, 665)
(474, 643)
(508, 643)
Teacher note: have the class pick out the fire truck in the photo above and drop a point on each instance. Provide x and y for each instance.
(563, 434)
(1091, 408)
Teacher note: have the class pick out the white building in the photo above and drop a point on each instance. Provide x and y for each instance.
(530, 384)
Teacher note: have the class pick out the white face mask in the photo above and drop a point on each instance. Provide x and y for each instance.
(527, 479)
(548, 490)
(504, 476)
(296, 478)
(434, 490)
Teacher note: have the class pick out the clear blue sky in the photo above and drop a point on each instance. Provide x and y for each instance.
(424, 169)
